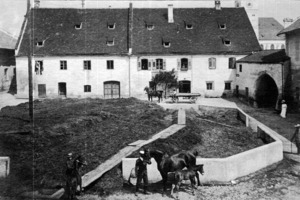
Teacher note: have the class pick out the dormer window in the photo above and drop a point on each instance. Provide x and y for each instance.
(110, 42)
(150, 26)
(226, 42)
(167, 44)
(111, 25)
(188, 26)
(78, 26)
(40, 43)
(222, 26)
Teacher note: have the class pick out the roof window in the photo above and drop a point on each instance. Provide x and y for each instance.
(222, 26)
(167, 44)
(40, 43)
(188, 25)
(110, 42)
(227, 42)
(111, 25)
(78, 26)
(150, 26)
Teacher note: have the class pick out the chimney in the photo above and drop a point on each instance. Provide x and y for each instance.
(170, 13)
(237, 3)
(218, 4)
(37, 3)
(287, 22)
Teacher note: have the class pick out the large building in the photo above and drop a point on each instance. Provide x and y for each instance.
(7, 60)
(111, 53)
(267, 36)
(292, 35)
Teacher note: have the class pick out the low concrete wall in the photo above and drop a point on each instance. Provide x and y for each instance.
(4, 166)
(218, 170)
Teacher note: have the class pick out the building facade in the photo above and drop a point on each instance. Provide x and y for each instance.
(112, 53)
(268, 29)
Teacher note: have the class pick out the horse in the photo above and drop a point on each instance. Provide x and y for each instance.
(74, 178)
(189, 174)
(153, 93)
(166, 163)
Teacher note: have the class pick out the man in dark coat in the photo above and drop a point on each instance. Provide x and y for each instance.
(141, 171)
(296, 137)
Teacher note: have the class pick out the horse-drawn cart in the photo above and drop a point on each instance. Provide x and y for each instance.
(185, 97)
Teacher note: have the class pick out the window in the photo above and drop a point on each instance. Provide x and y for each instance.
(241, 68)
(63, 65)
(110, 42)
(167, 44)
(159, 63)
(144, 64)
(87, 65)
(231, 63)
(209, 86)
(184, 64)
(39, 43)
(212, 63)
(78, 26)
(227, 42)
(110, 64)
(222, 26)
(150, 26)
(188, 26)
(272, 46)
(227, 85)
(87, 88)
(111, 25)
(38, 68)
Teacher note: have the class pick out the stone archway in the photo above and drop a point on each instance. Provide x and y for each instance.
(266, 93)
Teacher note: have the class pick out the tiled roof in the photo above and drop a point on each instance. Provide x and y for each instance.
(268, 29)
(7, 41)
(266, 56)
(294, 26)
(205, 37)
(56, 28)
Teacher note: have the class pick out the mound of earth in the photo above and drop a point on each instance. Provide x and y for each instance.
(94, 128)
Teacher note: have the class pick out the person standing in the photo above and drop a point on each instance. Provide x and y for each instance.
(296, 137)
(283, 109)
(141, 172)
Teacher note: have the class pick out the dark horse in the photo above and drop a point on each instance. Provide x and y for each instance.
(153, 93)
(74, 178)
(166, 163)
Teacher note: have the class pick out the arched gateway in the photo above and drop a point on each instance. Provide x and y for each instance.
(266, 91)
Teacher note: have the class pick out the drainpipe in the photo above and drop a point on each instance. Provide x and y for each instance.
(130, 28)
(282, 79)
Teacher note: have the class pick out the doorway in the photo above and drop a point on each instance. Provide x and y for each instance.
(62, 89)
(42, 90)
(184, 86)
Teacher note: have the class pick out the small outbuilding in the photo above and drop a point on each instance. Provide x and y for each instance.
(261, 78)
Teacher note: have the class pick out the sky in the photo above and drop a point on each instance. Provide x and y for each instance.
(12, 11)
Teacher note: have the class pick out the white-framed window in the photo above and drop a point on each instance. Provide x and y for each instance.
(184, 64)
(38, 68)
(188, 26)
(63, 65)
(222, 26)
(110, 64)
(226, 42)
(150, 26)
(159, 63)
(40, 43)
(212, 63)
(209, 85)
(110, 42)
(231, 63)
(167, 44)
(87, 88)
(87, 65)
